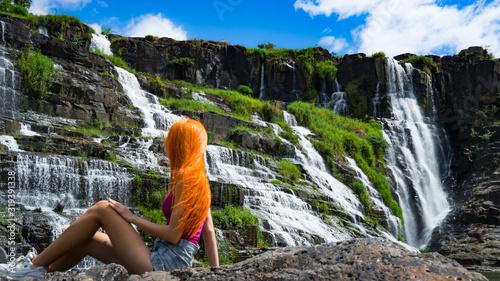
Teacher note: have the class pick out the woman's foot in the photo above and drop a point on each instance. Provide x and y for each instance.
(22, 269)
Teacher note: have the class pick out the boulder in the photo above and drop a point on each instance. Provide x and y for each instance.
(359, 259)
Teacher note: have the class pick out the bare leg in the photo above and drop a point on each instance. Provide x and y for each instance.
(99, 247)
(126, 242)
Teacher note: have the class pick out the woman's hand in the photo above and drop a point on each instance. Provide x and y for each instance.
(121, 210)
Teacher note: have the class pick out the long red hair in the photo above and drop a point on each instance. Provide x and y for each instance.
(185, 147)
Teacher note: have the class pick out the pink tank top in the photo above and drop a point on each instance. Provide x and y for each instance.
(166, 208)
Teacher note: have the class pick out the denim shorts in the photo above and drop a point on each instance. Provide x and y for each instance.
(166, 256)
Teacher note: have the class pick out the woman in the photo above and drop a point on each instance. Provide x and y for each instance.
(186, 208)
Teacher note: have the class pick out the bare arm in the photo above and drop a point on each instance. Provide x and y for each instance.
(210, 241)
(170, 232)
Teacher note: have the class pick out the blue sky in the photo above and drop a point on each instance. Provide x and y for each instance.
(393, 26)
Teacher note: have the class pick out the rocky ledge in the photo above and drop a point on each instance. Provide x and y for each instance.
(359, 259)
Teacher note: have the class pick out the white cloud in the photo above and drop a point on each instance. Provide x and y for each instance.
(43, 7)
(416, 26)
(333, 44)
(156, 25)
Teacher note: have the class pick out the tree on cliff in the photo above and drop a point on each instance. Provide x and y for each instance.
(19, 7)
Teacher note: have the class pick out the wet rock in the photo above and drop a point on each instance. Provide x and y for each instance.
(360, 259)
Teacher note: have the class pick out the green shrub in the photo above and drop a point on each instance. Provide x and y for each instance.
(356, 92)
(193, 105)
(118, 61)
(106, 30)
(183, 62)
(245, 90)
(36, 70)
(56, 24)
(327, 70)
(114, 40)
(153, 214)
(363, 195)
(18, 8)
(269, 46)
(424, 63)
(151, 38)
(289, 171)
(233, 216)
(379, 55)
(271, 113)
(311, 96)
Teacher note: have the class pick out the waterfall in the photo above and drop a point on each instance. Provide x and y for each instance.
(3, 32)
(315, 167)
(376, 102)
(26, 130)
(10, 94)
(100, 43)
(42, 30)
(393, 223)
(288, 220)
(45, 180)
(338, 100)
(136, 152)
(413, 158)
(262, 93)
(157, 118)
(9, 142)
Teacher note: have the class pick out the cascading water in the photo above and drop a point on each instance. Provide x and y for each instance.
(100, 43)
(414, 158)
(376, 102)
(10, 94)
(157, 118)
(338, 100)
(288, 220)
(262, 93)
(9, 142)
(45, 180)
(394, 225)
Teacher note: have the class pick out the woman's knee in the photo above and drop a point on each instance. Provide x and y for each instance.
(99, 207)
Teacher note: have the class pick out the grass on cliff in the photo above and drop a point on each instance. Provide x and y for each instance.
(233, 216)
(341, 135)
(242, 106)
(36, 70)
(193, 105)
(117, 61)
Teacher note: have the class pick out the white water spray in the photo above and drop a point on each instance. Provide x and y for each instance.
(413, 158)
(157, 118)
(100, 43)
(262, 93)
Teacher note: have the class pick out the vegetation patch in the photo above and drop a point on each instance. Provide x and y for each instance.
(242, 106)
(118, 61)
(37, 71)
(340, 135)
(182, 62)
(19, 8)
(57, 25)
(326, 70)
(192, 105)
(245, 90)
(425, 63)
(356, 92)
(289, 171)
(233, 216)
(379, 55)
